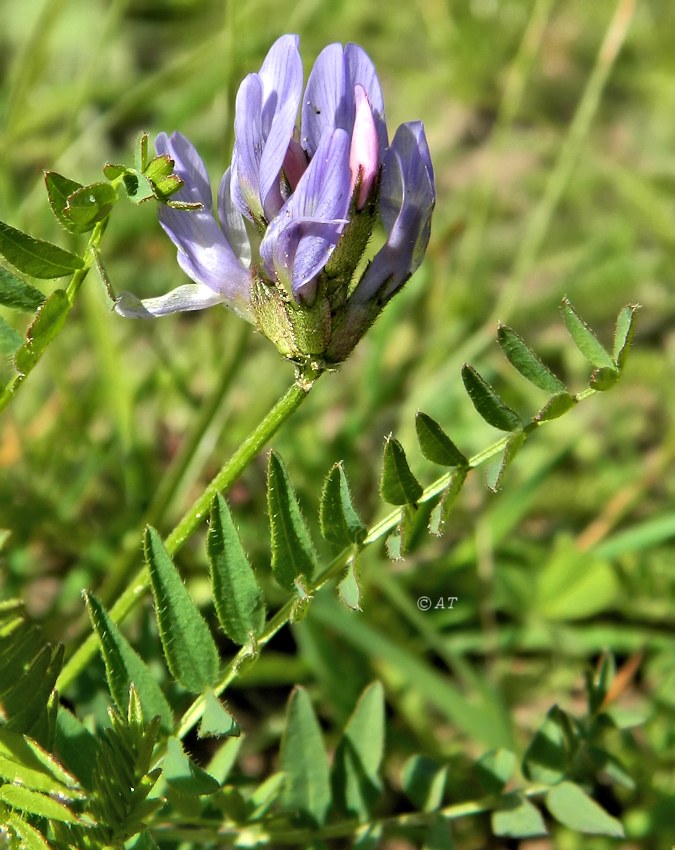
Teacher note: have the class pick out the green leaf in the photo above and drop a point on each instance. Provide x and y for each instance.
(516, 817)
(441, 512)
(623, 334)
(18, 294)
(522, 358)
(304, 762)
(586, 341)
(183, 775)
(142, 841)
(495, 471)
(573, 584)
(22, 760)
(549, 754)
(35, 257)
(487, 403)
(495, 768)
(293, 556)
(556, 406)
(356, 770)
(340, 523)
(216, 719)
(124, 667)
(572, 807)
(423, 780)
(188, 645)
(88, 205)
(398, 485)
(225, 758)
(29, 837)
(27, 699)
(76, 746)
(58, 190)
(439, 835)
(10, 340)
(238, 599)
(48, 321)
(34, 803)
(435, 444)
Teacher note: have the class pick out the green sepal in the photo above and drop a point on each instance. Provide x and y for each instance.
(398, 485)
(160, 167)
(487, 403)
(522, 358)
(340, 523)
(293, 556)
(34, 256)
(188, 645)
(435, 444)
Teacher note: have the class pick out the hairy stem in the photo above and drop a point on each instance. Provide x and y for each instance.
(198, 511)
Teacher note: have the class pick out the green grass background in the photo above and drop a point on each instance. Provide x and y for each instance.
(550, 181)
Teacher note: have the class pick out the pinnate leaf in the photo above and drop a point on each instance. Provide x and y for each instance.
(340, 523)
(34, 256)
(435, 444)
(398, 485)
(586, 341)
(304, 763)
(188, 645)
(356, 770)
(236, 595)
(18, 294)
(522, 358)
(124, 667)
(293, 555)
(487, 403)
(572, 807)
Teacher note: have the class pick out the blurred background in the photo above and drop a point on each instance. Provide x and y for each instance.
(552, 134)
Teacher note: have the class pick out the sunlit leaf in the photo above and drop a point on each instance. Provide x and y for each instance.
(183, 775)
(398, 485)
(236, 594)
(516, 817)
(487, 403)
(293, 556)
(35, 803)
(216, 720)
(188, 645)
(34, 256)
(572, 807)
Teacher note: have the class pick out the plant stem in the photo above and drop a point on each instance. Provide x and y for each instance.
(198, 511)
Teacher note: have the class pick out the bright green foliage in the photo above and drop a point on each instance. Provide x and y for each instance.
(124, 667)
(35, 803)
(358, 758)
(488, 404)
(58, 190)
(48, 322)
(435, 444)
(236, 594)
(571, 806)
(549, 755)
(340, 523)
(530, 366)
(424, 780)
(18, 294)
(216, 720)
(586, 341)
(307, 790)
(183, 775)
(88, 205)
(349, 587)
(495, 769)
(517, 817)
(24, 761)
(188, 646)
(293, 555)
(398, 485)
(34, 256)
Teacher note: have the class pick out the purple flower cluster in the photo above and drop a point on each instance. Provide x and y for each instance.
(295, 209)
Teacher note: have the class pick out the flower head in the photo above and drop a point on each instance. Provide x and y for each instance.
(296, 208)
